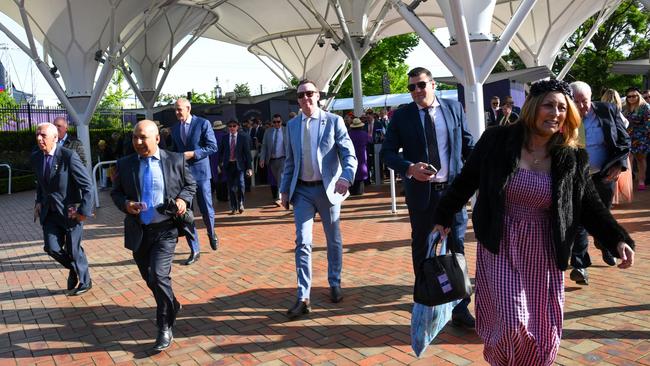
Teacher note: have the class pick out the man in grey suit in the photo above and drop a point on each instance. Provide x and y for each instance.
(318, 170)
(272, 154)
(63, 201)
(154, 188)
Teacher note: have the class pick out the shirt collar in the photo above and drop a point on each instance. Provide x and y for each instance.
(51, 153)
(156, 155)
(313, 115)
(433, 105)
(189, 120)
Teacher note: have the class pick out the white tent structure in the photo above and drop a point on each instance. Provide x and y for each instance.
(313, 39)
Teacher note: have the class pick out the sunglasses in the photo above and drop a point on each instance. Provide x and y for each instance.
(308, 93)
(232, 126)
(419, 84)
(277, 121)
(495, 103)
(631, 96)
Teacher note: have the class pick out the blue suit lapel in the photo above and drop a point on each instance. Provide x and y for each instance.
(419, 127)
(135, 174)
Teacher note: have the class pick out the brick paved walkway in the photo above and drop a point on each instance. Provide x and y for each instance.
(234, 300)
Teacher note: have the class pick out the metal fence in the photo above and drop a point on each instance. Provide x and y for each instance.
(27, 117)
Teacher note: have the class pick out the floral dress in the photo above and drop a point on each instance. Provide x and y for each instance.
(639, 129)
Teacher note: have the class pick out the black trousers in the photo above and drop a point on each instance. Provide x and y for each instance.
(62, 241)
(579, 254)
(154, 260)
(421, 235)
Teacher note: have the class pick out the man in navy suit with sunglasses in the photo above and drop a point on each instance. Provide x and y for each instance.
(433, 135)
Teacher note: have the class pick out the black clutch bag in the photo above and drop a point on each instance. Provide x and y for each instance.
(442, 278)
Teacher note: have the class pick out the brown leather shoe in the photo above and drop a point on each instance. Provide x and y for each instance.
(300, 308)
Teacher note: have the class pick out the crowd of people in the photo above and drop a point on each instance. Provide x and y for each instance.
(546, 175)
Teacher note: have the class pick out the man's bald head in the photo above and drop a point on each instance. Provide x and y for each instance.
(146, 138)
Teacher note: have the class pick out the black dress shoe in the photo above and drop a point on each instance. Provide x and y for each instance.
(335, 294)
(608, 258)
(214, 242)
(463, 319)
(163, 340)
(194, 257)
(301, 307)
(232, 212)
(72, 280)
(580, 276)
(241, 208)
(81, 289)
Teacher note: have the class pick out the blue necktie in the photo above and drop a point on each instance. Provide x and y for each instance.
(147, 193)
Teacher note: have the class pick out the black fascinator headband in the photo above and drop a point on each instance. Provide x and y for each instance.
(545, 86)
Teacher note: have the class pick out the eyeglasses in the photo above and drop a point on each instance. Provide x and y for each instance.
(631, 96)
(308, 93)
(646, 97)
(419, 84)
(277, 121)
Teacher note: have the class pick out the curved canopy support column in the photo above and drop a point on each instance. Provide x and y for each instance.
(155, 50)
(602, 17)
(477, 52)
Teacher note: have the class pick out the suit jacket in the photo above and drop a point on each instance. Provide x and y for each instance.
(76, 145)
(575, 199)
(242, 151)
(179, 183)
(335, 154)
(267, 143)
(492, 120)
(68, 184)
(615, 134)
(406, 131)
(200, 139)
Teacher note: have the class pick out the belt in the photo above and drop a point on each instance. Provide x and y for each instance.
(159, 225)
(439, 186)
(313, 183)
(281, 157)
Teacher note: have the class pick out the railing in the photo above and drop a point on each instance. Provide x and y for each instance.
(8, 167)
(95, 178)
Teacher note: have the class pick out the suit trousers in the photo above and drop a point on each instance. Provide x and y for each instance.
(204, 199)
(236, 187)
(154, 260)
(422, 222)
(307, 201)
(276, 166)
(63, 243)
(579, 254)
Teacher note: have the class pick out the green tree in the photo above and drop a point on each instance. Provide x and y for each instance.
(242, 90)
(624, 36)
(7, 106)
(109, 109)
(386, 58)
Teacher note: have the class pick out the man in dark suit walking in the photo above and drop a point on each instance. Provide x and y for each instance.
(272, 153)
(236, 161)
(193, 136)
(153, 187)
(63, 201)
(433, 135)
(608, 146)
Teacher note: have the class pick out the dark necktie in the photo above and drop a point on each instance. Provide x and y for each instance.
(147, 193)
(432, 141)
(233, 142)
(183, 133)
(47, 163)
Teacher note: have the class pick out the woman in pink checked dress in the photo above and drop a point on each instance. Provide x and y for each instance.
(534, 189)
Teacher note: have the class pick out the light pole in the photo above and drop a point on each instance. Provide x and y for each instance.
(217, 91)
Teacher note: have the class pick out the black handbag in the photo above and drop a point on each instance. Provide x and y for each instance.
(442, 278)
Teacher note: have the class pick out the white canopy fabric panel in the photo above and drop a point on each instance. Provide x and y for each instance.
(547, 28)
(71, 31)
(632, 67)
(158, 42)
(288, 32)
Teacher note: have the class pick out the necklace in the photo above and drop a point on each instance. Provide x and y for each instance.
(536, 160)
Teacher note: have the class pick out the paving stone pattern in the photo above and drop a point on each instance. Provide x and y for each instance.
(234, 300)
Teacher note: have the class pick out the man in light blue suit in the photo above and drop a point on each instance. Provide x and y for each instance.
(318, 170)
(193, 136)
